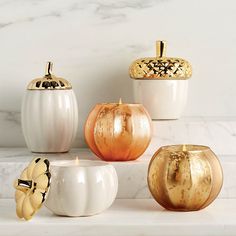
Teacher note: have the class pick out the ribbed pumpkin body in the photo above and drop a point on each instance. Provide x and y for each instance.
(49, 120)
(118, 132)
(82, 190)
(185, 180)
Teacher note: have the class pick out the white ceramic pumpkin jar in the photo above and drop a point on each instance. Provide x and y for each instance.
(49, 114)
(67, 188)
(161, 83)
(81, 188)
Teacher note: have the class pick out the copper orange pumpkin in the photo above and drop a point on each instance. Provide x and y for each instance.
(118, 132)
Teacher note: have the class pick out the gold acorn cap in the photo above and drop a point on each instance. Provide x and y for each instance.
(49, 81)
(160, 67)
(32, 188)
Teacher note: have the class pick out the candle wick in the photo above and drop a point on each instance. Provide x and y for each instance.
(120, 101)
(77, 161)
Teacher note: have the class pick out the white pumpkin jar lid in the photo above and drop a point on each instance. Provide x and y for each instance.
(160, 67)
(49, 81)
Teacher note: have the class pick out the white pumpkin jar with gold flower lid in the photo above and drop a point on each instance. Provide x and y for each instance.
(161, 84)
(49, 114)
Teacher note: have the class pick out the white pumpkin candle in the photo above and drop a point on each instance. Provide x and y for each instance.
(49, 114)
(81, 188)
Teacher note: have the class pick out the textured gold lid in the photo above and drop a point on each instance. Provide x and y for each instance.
(49, 81)
(32, 187)
(160, 67)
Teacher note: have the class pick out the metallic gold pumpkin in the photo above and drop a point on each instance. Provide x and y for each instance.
(118, 132)
(32, 187)
(184, 177)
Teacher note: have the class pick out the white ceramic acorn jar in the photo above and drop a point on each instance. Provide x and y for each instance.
(81, 189)
(49, 114)
(160, 83)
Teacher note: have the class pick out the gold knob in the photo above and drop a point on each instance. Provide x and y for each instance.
(161, 48)
(23, 185)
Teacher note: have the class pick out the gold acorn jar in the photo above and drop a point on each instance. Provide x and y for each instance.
(161, 83)
(184, 177)
(118, 131)
(49, 114)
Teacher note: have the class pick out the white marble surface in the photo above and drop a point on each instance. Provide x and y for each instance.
(126, 217)
(132, 175)
(92, 43)
(217, 133)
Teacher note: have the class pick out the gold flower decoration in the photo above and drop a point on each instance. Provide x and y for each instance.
(32, 187)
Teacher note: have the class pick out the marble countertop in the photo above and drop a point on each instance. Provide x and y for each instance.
(133, 212)
(217, 133)
(132, 175)
(126, 217)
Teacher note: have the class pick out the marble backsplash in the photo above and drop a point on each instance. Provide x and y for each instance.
(92, 43)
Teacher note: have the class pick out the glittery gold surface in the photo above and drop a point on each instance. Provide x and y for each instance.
(160, 67)
(184, 177)
(118, 132)
(32, 187)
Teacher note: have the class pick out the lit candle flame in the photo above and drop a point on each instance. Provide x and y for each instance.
(184, 148)
(77, 161)
(120, 101)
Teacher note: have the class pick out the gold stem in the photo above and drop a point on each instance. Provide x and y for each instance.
(49, 68)
(161, 48)
(23, 185)
(120, 101)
